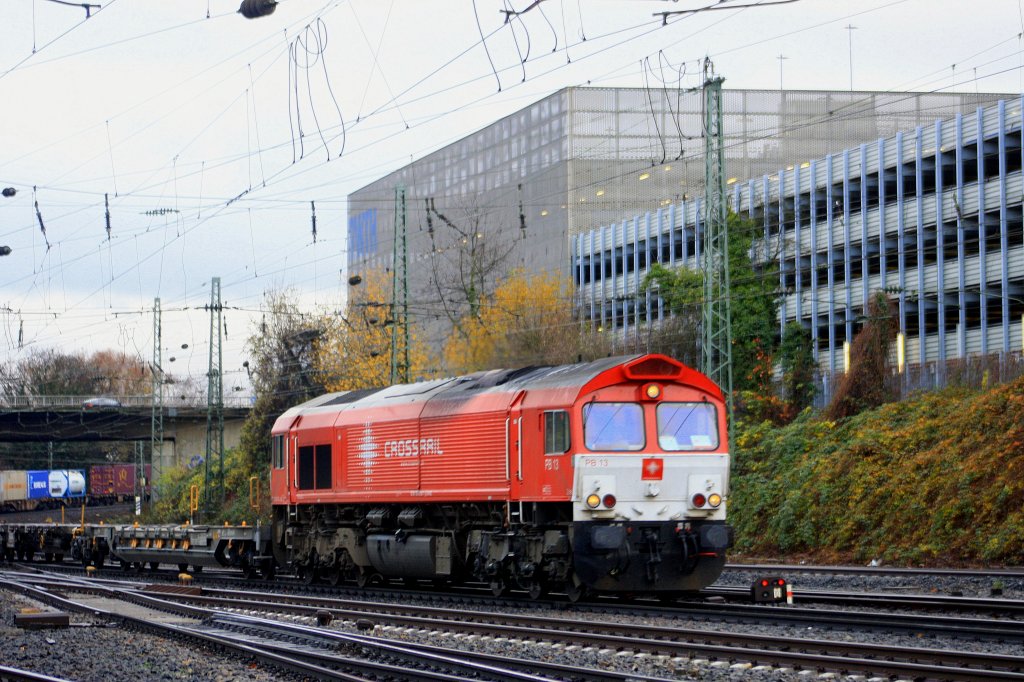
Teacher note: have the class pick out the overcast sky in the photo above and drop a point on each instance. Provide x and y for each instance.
(209, 134)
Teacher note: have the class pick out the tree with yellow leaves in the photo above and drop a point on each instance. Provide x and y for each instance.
(354, 351)
(528, 320)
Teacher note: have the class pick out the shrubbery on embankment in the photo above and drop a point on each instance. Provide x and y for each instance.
(935, 479)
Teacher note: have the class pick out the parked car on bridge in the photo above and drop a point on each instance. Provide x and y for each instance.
(98, 402)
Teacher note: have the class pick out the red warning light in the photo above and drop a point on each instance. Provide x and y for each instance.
(770, 590)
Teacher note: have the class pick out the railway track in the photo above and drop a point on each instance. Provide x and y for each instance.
(876, 611)
(296, 648)
(610, 638)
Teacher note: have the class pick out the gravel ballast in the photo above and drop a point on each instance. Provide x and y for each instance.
(92, 650)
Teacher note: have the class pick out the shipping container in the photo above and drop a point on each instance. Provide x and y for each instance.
(67, 483)
(38, 484)
(15, 491)
(13, 486)
(113, 480)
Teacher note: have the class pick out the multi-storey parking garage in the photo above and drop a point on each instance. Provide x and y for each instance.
(932, 215)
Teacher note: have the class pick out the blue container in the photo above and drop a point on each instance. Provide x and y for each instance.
(38, 485)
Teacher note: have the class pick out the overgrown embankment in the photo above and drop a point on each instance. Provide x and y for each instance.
(936, 479)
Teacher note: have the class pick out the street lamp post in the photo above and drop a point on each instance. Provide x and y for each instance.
(7, 192)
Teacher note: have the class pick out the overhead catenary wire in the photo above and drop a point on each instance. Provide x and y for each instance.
(258, 146)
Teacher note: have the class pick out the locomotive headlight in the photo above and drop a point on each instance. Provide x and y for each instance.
(652, 391)
(594, 500)
(714, 499)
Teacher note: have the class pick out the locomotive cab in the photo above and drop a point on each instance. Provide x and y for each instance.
(649, 503)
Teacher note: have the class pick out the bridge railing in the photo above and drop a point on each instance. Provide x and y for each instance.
(37, 402)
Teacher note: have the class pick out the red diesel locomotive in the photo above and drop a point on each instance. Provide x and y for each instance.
(607, 476)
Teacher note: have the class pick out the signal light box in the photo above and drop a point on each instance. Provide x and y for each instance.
(768, 590)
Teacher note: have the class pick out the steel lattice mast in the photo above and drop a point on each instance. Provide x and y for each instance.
(215, 401)
(717, 318)
(156, 452)
(400, 295)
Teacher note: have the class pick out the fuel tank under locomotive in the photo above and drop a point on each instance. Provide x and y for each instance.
(410, 555)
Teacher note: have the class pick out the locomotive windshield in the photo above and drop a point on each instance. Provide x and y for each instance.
(687, 426)
(613, 426)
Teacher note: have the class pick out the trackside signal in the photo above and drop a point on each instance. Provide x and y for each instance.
(768, 590)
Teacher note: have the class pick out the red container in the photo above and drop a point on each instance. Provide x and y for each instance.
(112, 479)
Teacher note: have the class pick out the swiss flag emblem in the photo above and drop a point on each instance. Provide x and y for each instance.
(653, 468)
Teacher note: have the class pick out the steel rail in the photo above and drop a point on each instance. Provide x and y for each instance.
(8, 674)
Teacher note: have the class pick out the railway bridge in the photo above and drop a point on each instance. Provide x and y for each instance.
(42, 419)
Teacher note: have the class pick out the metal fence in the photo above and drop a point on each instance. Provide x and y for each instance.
(43, 402)
(975, 371)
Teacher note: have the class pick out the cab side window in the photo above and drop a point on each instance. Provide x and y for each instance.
(556, 432)
(277, 452)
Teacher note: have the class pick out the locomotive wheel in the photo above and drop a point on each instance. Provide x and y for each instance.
(154, 565)
(309, 575)
(249, 569)
(575, 590)
(499, 588)
(59, 558)
(197, 569)
(182, 568)
(125, 565)
(99, 560)
(48, 557)
(335, 577)
(363, 577)
(536, 589)
(268, 570)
